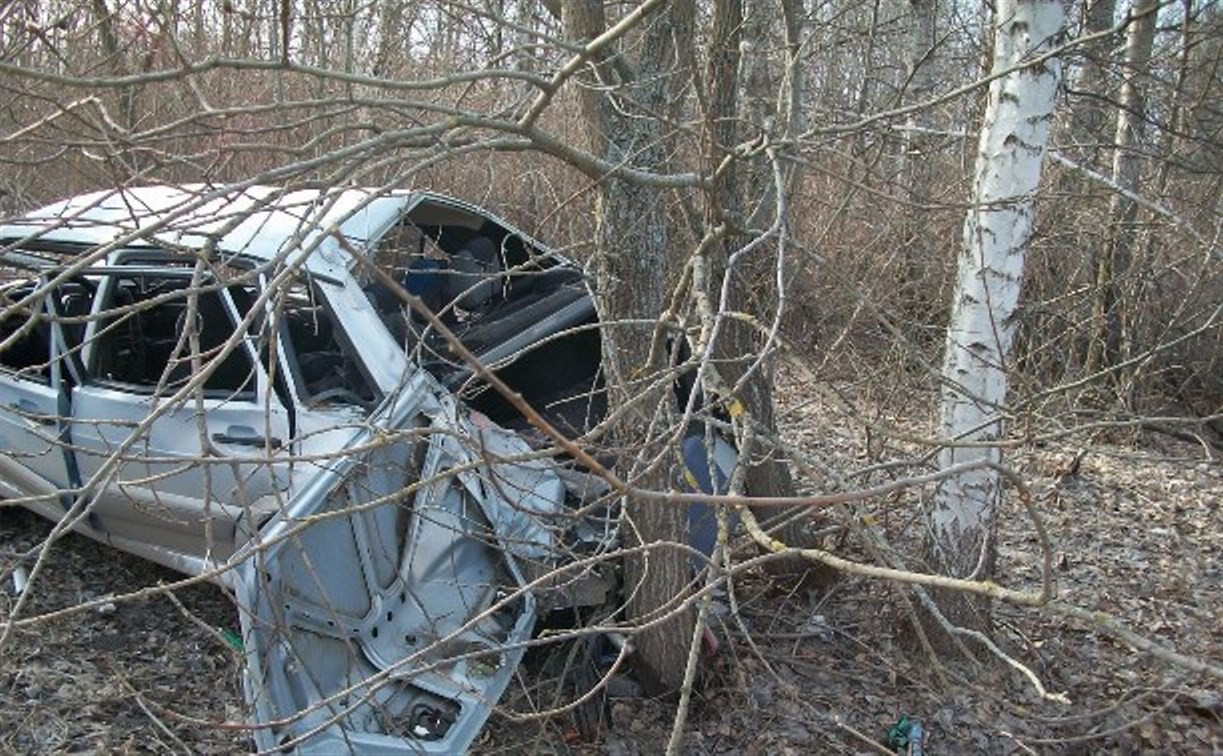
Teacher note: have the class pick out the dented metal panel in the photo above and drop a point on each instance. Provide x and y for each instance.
(379, 621)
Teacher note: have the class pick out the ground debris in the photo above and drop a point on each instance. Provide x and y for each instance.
(1136, 534)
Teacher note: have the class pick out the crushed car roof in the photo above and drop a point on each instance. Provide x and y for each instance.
(259, 222)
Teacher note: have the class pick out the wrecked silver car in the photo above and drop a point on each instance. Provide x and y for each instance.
(211, 378)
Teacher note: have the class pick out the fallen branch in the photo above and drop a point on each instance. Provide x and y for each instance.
(1109, 624)
(1100, 620)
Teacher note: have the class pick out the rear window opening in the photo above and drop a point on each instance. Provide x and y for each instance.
(558, 377)
(529, 315)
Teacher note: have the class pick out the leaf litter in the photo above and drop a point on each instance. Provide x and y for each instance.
(829, 669)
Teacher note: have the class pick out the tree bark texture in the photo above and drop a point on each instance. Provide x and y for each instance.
(917, 169)
(1090, 109)
(983, 315)
(920, 58)
(1109, 316)
(630, 263)
(751, 191)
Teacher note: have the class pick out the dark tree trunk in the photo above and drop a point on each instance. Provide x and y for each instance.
(630, 261)
(1111, 308)
(753, 287)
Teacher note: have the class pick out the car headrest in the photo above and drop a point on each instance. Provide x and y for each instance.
(473, 278)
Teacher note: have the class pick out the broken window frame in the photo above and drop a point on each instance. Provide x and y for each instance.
(107, 318)
(37, 327)
(300, 392)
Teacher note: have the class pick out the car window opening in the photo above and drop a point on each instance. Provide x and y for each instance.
(325, 366)
(74, 303)
(147, 345)
(559, 378)
(25, 334)
(511, 308)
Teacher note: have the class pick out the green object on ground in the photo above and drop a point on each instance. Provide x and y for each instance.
(900, 734)
(233, 639)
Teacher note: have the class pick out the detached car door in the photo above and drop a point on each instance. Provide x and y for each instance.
(174, 413)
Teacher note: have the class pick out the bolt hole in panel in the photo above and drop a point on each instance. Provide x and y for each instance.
(381, 625)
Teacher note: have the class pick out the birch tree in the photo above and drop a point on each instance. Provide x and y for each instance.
(1010, 153)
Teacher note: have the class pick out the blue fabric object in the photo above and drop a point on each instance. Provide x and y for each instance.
(703, 518)
(424, 277)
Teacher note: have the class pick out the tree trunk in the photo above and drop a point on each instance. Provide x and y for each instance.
(631, 247)
(753, 287)
(1108, 315)
(1090, 100)
(1088, 115)
(976, 108)
(393, 54)
(917, 168)
(919, 61)
(865, 94)
(116, 62)
(996, 230)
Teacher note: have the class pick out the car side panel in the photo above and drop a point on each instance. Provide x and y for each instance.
(163, 482)
(29, 434)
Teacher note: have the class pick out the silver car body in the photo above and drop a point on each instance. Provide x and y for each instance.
(374, 528)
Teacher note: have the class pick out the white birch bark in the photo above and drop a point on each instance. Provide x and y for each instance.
(996, 230)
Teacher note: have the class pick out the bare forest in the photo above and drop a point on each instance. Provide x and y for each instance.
(948, 276)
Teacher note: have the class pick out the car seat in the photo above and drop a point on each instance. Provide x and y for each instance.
(473, 279)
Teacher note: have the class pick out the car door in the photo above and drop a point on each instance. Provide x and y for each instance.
(406, 640)
(182, 444)
(35, 456)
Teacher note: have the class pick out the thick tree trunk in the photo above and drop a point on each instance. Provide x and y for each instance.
(632, 243)
(632, 240)
(996, 230)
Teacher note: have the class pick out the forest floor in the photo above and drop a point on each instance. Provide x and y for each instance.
(1136, 531)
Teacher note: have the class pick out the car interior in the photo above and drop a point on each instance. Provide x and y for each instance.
(25, 334)
(527, 316)
(145, 343)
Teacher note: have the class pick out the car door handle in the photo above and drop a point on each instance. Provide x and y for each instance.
(29, 410)
(244, 435)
